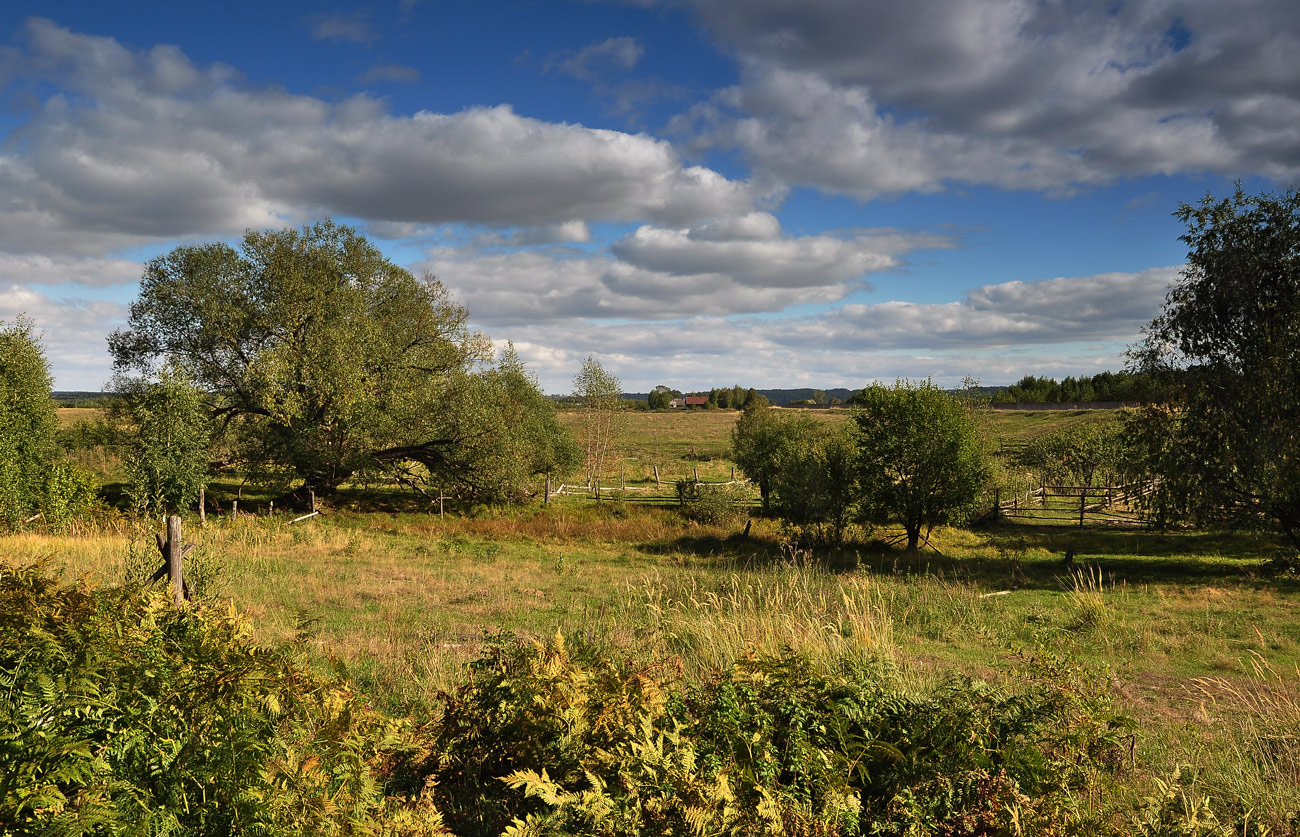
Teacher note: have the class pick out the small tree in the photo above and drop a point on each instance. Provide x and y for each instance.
(759, 442)
(661, 398)
(921, 460)
(816, 485)
(1081, 452)
(598, 391)
(28, 422)
(169, 440)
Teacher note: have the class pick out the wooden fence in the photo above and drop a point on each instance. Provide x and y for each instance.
(1110, 505)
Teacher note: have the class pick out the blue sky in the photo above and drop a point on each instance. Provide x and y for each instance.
(697, 192)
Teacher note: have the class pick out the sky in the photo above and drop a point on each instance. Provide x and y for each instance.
(698, 193)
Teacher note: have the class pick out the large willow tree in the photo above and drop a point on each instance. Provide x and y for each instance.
(326, 360)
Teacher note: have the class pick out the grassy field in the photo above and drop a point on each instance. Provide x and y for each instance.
(1199, 643)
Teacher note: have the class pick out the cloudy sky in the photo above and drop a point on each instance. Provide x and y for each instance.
(698, 192)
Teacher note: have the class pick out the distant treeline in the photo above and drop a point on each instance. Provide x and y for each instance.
(735, 397)
(1104, 386)
(82, 399)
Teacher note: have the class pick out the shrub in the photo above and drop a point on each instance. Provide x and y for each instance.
(712, 505)
(542, 740)
(120, 713)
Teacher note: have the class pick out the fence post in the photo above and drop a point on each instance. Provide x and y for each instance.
(311, 496)
(234, 510)
(657, 483)
(697, 473)
(622, 480)
(1083, 503)
(203, 512)
(546, 497)
(173, 556)
(997, 503)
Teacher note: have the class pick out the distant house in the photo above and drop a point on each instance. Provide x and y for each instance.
(696, 400)
(677, 402)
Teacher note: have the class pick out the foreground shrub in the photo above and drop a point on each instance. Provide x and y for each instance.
(542, 741)
(121, 714)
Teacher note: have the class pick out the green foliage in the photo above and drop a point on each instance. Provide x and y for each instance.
(661, 397)
(921, 457)
(598, 391)
(70, 491)
(1084, 454)
(167, 440)
(505, 433)
(817, 483)
(323, 358)
(1228, 342)
(121, 714)
(713, 505)
(1104, 386)
(28, 423)
(545, 741)
(759, 445)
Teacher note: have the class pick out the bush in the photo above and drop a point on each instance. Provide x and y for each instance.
(713, 505)
(120, 713)
(561, 742)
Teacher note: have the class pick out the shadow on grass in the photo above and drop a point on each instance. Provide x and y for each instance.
(1019, 556)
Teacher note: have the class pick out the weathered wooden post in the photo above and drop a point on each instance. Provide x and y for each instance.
(546, 497)
(203, 511)
(271, 508)
(657, 483)
(696, 469)
(311, 496)
(174, 559)
(622, 479)
(733, 473)
(234, 510)
(1083, 500)
(440, 499)
(172, 554)
(997, 503)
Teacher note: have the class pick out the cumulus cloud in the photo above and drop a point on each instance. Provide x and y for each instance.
(724, 266)
(865, 98)
(1104, 307)
(148, 146)
(760, 258)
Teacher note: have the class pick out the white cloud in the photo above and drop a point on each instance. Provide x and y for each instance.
(773, 262)
(74, 333)
(661, 273)
(37, 269)
(148, 146)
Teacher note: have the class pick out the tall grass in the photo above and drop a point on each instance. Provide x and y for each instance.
(714, 621)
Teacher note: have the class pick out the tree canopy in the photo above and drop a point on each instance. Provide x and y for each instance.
(324, 359)
(28, 423)
(920, 458)
(1228, 341)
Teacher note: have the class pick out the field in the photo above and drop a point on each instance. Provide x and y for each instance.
(1197, 641)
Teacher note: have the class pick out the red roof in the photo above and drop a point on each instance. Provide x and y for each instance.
(696, 400)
